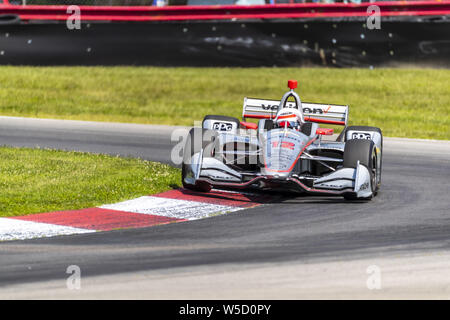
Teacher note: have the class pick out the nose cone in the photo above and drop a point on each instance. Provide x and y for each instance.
(292, 84)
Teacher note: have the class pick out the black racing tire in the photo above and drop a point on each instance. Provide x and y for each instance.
(363, 151)
(379, 156)
(190, 149)
(222, 118)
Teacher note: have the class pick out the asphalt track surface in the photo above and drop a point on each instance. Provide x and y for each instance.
(411, 214)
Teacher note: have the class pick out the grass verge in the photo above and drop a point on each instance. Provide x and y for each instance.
(412, 103)
(37, 180)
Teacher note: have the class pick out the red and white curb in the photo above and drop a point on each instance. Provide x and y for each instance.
(167, 207)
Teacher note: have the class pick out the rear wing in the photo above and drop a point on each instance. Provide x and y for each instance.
(313, 112)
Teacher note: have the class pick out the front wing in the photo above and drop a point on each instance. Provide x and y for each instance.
(214, 172)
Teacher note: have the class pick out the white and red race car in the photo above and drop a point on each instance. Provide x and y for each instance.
(284, 150)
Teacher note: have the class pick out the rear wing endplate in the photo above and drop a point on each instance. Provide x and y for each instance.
(313, 112)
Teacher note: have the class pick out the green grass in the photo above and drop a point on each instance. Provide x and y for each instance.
(36, 180)
(411, 103)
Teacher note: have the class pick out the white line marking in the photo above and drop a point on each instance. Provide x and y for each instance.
(13, 229)
(174, 208)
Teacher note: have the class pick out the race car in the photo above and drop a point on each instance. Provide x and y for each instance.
(285, 150)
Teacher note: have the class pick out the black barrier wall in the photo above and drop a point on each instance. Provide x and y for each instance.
(342, 42)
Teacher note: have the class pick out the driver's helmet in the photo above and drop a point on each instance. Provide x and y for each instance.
(289, 121)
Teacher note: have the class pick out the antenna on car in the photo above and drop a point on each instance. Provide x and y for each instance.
(292, 84)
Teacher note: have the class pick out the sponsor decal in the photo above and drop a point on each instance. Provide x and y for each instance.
(331, 186)
(305, 110)
(283, 144)
(241, 139)
(271, 107)
(222, 126)
(361, 135)
(221, 177)
(316, 110)
(364, 186)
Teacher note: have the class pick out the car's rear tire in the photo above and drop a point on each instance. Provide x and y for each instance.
(192, 146)
(363, 151)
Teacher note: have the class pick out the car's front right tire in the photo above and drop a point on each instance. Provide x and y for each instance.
(365, 152)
